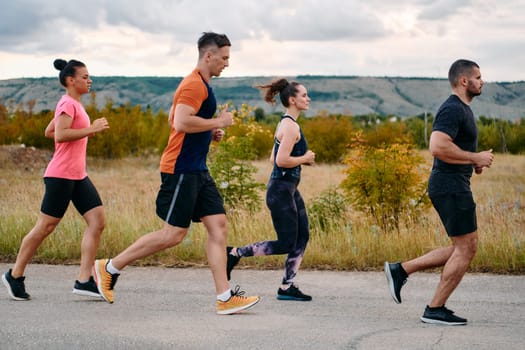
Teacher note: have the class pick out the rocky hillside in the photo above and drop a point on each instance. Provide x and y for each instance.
(347, 95)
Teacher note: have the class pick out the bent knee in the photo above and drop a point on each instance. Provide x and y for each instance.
(45, 227)
(174, 240)
(101, 226)
(97, 226)
(173, 237)
(468, 248)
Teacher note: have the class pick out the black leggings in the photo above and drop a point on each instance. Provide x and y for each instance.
(291, 224)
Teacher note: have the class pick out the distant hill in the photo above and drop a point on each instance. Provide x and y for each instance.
(331, 94)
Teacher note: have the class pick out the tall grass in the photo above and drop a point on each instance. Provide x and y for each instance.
(348, 241)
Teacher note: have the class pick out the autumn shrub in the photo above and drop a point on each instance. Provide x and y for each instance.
(385, 181)
(328, 137)
(387, 132)
(260, 135)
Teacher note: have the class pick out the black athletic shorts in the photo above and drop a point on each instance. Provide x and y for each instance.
(457, 212)
(183, 198)
(59, 192)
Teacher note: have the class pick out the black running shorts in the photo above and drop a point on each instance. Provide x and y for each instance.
(59, 192)
(183, 198)
(457, 212)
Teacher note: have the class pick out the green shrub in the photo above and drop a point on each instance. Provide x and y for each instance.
(231, 164)
(327, 208)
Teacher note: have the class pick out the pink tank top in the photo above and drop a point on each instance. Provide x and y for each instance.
(69, 159)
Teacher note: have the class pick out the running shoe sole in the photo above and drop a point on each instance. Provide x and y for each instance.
(86, 293)
(287, 297)
(447, 323)
(390, 280)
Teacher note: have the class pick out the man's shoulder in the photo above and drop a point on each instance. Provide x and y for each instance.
(451, 106)
(192, 79)
(453, 101)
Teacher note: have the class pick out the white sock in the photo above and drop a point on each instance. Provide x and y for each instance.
(225, 296)
(286, 286)
(112, 269)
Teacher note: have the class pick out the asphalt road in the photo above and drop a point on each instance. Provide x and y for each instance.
(167, 308)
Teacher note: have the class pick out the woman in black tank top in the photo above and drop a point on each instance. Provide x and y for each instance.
(286, 205)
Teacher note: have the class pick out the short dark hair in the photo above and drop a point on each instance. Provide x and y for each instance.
(459, 68)
(67, 69)
(208, 39)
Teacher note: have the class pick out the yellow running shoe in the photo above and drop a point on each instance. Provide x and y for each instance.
(237, 303)
(105, 280)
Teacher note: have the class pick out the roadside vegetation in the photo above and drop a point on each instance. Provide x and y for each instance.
(365, 197)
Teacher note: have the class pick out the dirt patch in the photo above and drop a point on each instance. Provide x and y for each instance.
(24, 158)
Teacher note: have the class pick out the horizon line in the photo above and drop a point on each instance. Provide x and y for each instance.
(335, 76)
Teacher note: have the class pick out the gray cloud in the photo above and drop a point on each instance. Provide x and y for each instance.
(374, 37)
(442, 9)
(46, 22)
(36, 25)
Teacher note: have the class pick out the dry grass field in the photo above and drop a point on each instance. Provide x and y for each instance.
(128, 188)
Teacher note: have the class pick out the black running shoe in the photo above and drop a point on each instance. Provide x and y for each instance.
(292, 293)
(396, 277)
(15, 286)
(442, 315)
(232, 260)
(88, 289)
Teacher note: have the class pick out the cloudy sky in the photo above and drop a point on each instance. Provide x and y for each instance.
(408, 38)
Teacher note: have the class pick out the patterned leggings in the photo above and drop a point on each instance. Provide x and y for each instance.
(291, 224)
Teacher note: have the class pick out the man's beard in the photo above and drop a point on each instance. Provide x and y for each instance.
(471, 93)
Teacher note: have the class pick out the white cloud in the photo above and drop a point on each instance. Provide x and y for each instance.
(341, 37)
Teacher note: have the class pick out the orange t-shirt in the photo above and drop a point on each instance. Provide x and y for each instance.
(187, 152)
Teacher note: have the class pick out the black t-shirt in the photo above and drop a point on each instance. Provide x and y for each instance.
(455, 119)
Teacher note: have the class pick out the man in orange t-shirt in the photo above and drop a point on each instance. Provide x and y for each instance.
(187, 192)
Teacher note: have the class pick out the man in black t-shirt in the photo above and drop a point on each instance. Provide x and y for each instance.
(453, 144)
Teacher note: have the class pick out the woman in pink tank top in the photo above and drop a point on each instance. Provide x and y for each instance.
(66, 181)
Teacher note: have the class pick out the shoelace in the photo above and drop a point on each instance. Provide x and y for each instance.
(114, 278)
(238, 292)
(448, 311)
(19, 284)
(110, 282)
(293, 286)
(294, 289)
